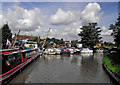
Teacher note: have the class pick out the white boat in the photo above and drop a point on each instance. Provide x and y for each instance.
(72, 51)
(48, 51)
(77, 50)
(86, 50)
(52, 51)
(58, 51)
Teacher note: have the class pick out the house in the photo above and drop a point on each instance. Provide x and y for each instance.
(24, 37)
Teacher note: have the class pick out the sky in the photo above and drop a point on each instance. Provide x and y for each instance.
(64, 18)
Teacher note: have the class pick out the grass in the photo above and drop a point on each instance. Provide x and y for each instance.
(105, 47)
(111, 66)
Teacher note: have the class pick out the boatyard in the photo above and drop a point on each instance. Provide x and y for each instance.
(60, 43)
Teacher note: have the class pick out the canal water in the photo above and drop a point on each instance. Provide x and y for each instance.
(82, 68)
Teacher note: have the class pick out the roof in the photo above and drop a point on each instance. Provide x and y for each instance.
(24, 37)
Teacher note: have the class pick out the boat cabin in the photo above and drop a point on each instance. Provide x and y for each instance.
(13, 59)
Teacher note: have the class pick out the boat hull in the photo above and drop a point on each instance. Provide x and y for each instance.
(65, 52)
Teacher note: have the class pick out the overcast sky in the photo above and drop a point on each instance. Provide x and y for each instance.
(64, 18)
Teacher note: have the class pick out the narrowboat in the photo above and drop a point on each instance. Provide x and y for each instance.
(14, 61)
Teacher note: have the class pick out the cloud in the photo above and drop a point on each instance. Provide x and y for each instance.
(76, 19)
(71, 32)
(91, 13)
(105, 31)
(30, 22)
(24, 19)
(62, 17)
(1, 20)
(104, 28)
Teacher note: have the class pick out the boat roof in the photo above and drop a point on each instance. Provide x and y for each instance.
(7, 50)
(15, 52)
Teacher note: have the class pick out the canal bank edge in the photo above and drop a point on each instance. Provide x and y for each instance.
(111, 74)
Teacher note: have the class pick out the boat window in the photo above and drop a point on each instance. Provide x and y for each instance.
(14, 59)
(31, 53)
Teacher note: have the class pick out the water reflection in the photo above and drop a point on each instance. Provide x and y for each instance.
(51, 57)
(86, 54)
(83, 68)
(73, 59)
(89, 67)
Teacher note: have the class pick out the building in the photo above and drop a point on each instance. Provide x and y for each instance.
(79, 45)
(24, 37)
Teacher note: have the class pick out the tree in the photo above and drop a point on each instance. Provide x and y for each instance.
(35, 39)
(90, 35)
(116, 31)
(6, 34)
(61, 41)
(74, 43)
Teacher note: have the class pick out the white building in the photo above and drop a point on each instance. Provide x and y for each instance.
(79, 45)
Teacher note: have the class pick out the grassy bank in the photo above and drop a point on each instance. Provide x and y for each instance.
(111, 66)
(105, 47)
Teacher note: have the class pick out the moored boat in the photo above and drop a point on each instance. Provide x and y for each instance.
(86, 50)
(72, 51)
(14, 61)
(58, 51)
(50, 51)
(65, 51)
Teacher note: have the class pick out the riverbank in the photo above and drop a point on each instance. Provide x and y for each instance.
(111, 63)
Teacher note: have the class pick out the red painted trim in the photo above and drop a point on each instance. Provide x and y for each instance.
(17, 66)
(5, 52)
(25, 57)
